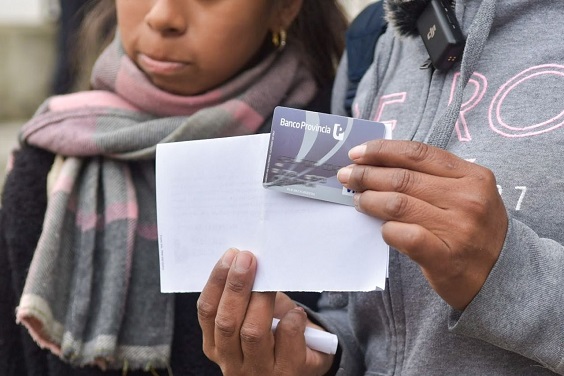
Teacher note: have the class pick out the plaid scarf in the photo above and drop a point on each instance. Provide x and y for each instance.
(92, 294)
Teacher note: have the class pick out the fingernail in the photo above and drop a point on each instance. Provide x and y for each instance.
(228, 257)
(357, 152)
(243, 262)
(356, 200)
(299, 310)
(344, 174)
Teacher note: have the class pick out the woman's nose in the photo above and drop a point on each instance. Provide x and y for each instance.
(167, 17)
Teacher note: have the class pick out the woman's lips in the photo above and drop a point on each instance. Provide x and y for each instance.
(160, 66)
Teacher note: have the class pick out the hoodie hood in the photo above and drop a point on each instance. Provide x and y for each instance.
(402, 15)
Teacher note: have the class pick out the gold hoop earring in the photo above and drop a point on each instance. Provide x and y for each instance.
(279, 39)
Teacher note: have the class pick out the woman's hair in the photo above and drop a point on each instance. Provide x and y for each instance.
(96, 33)
(318, 30)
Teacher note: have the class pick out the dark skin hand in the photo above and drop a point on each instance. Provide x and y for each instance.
(443, 212)
(236, 325)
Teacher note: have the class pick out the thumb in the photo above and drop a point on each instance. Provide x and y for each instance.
(283, 304)
(291, 353)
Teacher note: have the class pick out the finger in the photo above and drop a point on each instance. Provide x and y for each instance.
(257, 340)
(290, 350)
(426, 187)
(283, 304)
(392, 206)
(416, 242)
(209, 299)
(410, 155)
(233, 306)
(292, 355)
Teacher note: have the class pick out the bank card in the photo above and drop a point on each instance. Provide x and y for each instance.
(308, 148)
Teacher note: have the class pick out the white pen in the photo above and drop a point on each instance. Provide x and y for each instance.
(316, 339)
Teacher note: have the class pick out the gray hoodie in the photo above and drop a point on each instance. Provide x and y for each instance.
(509, 117)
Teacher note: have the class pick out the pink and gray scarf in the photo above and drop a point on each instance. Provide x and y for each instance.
(92, 295)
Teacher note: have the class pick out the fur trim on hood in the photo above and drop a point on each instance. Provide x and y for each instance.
(402, 15)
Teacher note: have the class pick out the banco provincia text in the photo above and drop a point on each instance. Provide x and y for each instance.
(304, 125)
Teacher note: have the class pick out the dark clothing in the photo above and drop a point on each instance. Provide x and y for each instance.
(72, 14)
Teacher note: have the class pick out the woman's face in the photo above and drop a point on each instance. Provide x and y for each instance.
(190, 46)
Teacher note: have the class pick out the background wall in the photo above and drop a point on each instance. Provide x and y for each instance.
(354, 6)
(30, 12)
(27, 53)
(27, 58)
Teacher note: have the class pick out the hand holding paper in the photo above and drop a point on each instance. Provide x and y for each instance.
(237, 324)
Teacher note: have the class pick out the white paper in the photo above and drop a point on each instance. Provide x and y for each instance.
(210, 198)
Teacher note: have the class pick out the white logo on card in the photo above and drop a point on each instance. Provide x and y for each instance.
(338, 132)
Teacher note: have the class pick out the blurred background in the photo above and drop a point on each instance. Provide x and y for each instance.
(29, 49)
